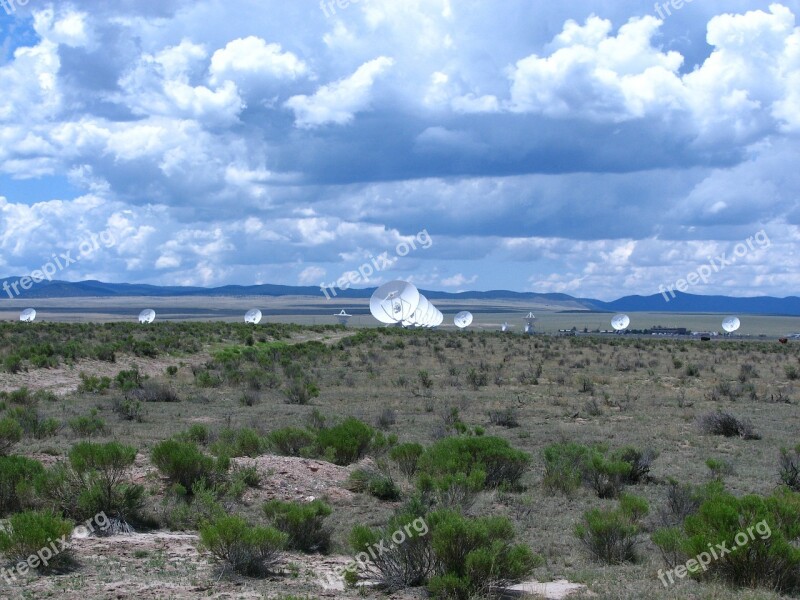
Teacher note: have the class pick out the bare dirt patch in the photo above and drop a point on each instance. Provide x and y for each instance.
(293, 478)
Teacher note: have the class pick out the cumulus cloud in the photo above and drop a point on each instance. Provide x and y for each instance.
(339, 101)
(252, 58)
(742, 92)
(459, 280)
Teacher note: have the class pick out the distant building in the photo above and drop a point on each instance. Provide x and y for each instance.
(669, 331)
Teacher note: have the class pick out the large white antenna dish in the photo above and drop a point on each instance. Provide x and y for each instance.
(28, 315)
(463, 319)
(429, 316)
(731, 324)
(253, 316)
(394, 302)
(530, 320)
(342, 317)
(418, 317)
(504, 327)
(147, 316)
(620, 322)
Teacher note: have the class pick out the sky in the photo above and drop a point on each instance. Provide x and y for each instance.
(594, 148)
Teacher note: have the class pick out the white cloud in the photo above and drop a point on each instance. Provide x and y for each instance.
(251, 58)
(743, 91)
(339, 101)
(311, 276)
(459, 280)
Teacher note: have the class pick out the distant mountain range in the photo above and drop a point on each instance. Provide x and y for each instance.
(681, 303)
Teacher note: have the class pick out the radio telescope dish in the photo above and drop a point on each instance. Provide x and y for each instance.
(418, 317)
(253, 316)
(394, 302)
(28, 315)
(463, 319)
(530, 320)
(731, 324)
(429, 315)
(504, 326)
(342, 317)
(147, 316)
(620, 322)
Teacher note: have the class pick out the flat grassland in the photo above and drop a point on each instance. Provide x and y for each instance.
(611, 390)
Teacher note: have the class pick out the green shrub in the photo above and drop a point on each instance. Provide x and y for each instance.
(184, 463)
(33, 423)
(400, 565)
(129, 379)
(569, 465)
(454, 492)
(300, 392)
(475, 555)
(13, 363)
(290, 441)
(606, 476)
(346, 442)
(565, 464)
(16, 475)
(197, 433)
(640, 462)
(611, 536)
(407, 457)
(303, 523)
(374, 482)
(10, 434)
(183, 509)
(760, 532)
(249, 550)
(501, 464)
(128, 409)
(93, 482)
(247, 443)
(93, 385)
(87, 425)
(31, 531)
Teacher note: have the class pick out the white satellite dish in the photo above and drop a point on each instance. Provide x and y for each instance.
(731, 324)
(252, 316)
(28, 315)
(147, 316)
(504, 327)
(530, 320)
(463, 319)
(394, 302)
(620, 322)
(342, 317)
(429, 315)
(417, 319)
